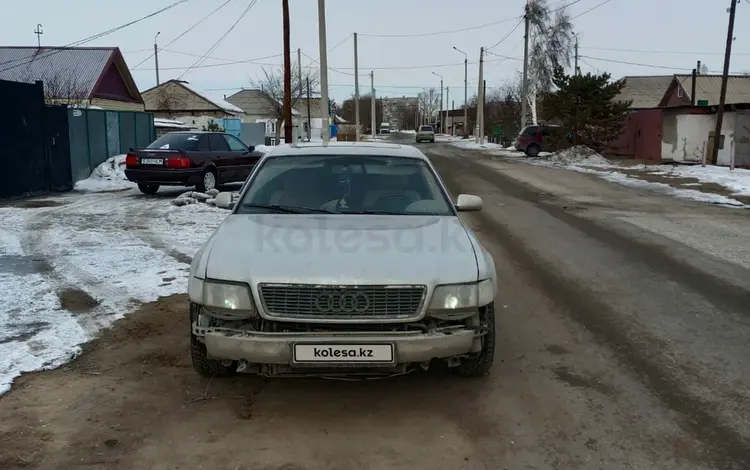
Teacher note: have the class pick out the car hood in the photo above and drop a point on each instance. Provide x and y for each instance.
(341, 249)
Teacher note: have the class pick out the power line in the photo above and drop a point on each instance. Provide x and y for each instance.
(185, 32)
(437, 33)
(645, 51)
(339, 43)
(591, 9)
(233, 62)
(219, 41)
(503, 56)
(565, 6)
(637, 64)
(57, 50)
(507, 35)
(330, 68)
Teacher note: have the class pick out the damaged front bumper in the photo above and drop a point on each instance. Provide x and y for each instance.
(283, 348)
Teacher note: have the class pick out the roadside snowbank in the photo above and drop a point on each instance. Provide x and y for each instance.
(263, 148)
(109, 176)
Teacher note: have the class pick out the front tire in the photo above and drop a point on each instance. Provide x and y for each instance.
(206, 367)
(480, 364)
(146, 188)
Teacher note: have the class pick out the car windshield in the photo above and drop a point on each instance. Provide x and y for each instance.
(181, 141)
(426, 128)
(345, 185)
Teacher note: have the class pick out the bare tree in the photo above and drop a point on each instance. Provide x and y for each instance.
(551, 47)
(167, 100)
(62, 87)
(429, 102)
(271, 86)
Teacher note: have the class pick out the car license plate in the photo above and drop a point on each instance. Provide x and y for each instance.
(152, 161)
(343, 353)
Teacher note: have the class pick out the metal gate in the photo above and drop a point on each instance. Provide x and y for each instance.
(22, 152)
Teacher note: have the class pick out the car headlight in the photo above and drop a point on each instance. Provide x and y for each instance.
(462, 296)
(220, 295)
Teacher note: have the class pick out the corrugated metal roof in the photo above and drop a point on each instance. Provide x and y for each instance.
(708, 87)
(27, 64)
(646, 91)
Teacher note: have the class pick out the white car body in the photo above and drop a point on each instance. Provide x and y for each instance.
(299, 253)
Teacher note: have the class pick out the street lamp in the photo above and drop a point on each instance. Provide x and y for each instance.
(466, 88)
(442, 121)
(156, 58)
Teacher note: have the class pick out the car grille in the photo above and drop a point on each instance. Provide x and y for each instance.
(341, 302)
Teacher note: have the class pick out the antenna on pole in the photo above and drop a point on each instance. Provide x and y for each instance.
(38, 31)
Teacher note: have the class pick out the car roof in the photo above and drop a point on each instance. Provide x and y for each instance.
(349, 149)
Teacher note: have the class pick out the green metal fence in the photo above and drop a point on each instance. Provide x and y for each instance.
(96, 135)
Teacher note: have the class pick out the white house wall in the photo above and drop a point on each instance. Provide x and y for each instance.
(742, 138)
(685, 136)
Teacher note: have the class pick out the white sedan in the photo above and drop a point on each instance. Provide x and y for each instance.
(341, 259)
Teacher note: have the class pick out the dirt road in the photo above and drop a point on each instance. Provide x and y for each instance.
(620, 348)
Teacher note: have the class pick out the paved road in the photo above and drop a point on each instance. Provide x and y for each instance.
(624, 344)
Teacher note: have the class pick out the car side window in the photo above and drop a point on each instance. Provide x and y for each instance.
(218, 144)
(235, 145)
(202, 145)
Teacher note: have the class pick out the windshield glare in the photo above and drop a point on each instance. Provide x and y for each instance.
(346, 184)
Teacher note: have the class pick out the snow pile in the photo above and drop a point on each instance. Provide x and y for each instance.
(407, 131)
(263, 148)
(192, 197)
(580, 155)
(109, 176)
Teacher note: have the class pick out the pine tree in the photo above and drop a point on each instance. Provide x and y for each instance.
(213, 127)
(587, 107)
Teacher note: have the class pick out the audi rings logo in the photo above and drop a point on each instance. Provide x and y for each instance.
(342, 302)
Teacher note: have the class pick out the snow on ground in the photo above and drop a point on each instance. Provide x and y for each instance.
(408, 131)
(109, 176)
(263, 148)
(585, 160)
(737, 180)
(116, 249)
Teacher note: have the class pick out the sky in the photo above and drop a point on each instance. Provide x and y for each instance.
(405, 42)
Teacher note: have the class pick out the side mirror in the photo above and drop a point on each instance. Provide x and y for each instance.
(251, 149)
(465, 203)
(224, 200)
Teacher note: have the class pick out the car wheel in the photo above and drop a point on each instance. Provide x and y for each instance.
(208, 181)
(148, 188)
(479, 364)
(201, 363)
(533, 151)
(432, 141)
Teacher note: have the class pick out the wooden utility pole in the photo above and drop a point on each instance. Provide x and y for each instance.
(724, 79)
(287, 76)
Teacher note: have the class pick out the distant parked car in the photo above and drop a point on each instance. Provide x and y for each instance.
(426, 133)
(534, 139)
(200, 159)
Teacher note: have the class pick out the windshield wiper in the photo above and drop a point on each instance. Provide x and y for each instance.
(290, 209)
(377, 212)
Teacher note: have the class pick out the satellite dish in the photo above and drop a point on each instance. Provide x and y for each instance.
(704, 69)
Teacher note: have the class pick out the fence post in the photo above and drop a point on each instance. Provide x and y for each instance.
(85, 114)
(106, 134)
